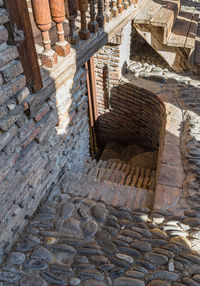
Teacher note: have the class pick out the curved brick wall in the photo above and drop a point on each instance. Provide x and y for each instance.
(137, 115)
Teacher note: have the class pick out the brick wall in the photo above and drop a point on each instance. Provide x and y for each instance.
(39, 135)
(135, 115)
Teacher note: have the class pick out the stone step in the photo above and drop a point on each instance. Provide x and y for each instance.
(79, 184)
(121, 173)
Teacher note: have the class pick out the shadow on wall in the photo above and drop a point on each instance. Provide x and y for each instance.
(135, 116)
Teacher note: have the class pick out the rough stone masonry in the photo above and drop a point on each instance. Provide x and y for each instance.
(39, 134)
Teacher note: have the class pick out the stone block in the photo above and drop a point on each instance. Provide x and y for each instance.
(3, 16)
(8, 54)
(171, 176)
(11, 88)
(11, 70)
(44, 109)
(5, 137)
(10, 118)
(166, 197)
(3, 111)
(1, 79)
(12, 145)
(171, 155)
(22, 95)
(1, 3)
(3, 34)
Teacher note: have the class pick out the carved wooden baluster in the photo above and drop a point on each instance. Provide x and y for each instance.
(71, 14)
(126, 4)
(107, 12)
(115, 10)
(83, 7)
(100, 17)
(93, 25)
(58, 14)
(120, 6)
(42, 17)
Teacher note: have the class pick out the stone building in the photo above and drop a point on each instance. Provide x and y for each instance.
(77, 113)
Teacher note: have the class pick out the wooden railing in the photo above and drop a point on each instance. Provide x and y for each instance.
(90, 15)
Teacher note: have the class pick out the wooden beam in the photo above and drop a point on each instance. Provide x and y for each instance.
(23, 37)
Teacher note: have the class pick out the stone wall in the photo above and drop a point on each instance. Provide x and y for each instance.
(36, 140)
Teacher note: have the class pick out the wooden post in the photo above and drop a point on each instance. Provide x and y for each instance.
(71, 13)
(114, 8)
(58, 14)
(126, 4)
(42, 17)
(120, 6)
(107, 12)
(20, 22)
(93, 25)
(83, 7)
(100, 17)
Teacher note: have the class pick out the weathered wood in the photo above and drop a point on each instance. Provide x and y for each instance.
(93, 25)
(107, 12)
(146, 14)
(42, 17)
(71, 14)
(58, 15)
(115, 10)
(100, 17)
(120, 6)
(83, 8)
(180, 31)
(126, 4)
(23, 36)
(191, 36)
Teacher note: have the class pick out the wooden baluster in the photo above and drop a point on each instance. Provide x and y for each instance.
(100, 17)
(93, 25)
(71, 14)
(115, 10)
(83, 7)
(58, 14)
(42, 17)
(126, 4)
(107, 13)
(131, 2)
(120, 6)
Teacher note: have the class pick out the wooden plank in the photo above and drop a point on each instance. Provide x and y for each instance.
(20, 21)
(165, 15)
(180, 31)
(146, 14)
(191, 36)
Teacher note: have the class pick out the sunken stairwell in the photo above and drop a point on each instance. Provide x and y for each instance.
(89, 182)
(169, 31)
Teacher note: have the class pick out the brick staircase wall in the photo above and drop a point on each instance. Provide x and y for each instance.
(133, 115)
(39, 134)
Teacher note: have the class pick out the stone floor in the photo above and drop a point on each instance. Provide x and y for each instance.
(78, 241)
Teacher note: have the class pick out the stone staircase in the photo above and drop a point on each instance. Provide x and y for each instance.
(121, 173)
(104, 181)
(170, 31)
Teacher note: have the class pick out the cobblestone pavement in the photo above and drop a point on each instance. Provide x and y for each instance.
(78, 241)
